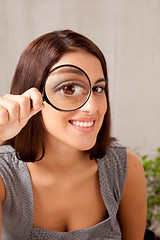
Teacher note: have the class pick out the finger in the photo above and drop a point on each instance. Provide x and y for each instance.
(36, 98)
(10, 108)
(23, 102)
(4, 115)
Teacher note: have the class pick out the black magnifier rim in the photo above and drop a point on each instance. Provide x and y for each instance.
(45, 98)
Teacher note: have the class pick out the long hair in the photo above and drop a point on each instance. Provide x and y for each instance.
(33, 66)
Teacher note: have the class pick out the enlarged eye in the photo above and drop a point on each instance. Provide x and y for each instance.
(98, 89)
(71, 89)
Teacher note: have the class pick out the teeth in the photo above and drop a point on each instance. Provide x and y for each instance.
(82, 124)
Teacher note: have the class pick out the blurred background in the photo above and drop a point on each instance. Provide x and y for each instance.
(127, 32)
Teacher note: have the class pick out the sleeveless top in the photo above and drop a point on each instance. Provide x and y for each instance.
(17, 209)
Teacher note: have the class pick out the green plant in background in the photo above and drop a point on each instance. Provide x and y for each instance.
(152, 174)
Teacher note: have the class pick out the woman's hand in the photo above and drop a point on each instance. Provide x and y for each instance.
(16, 110)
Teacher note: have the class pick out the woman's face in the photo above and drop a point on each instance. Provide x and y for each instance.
(79, 128)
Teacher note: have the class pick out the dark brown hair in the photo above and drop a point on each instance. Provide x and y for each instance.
(42, 54)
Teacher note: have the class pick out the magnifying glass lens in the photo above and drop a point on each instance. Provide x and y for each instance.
(67, 88)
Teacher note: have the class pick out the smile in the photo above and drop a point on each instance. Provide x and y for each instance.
(82, 124)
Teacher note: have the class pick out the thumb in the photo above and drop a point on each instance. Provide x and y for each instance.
(36, 108)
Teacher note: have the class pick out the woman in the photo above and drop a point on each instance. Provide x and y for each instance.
(62, 176)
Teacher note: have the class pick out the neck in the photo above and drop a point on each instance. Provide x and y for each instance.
(62, 158)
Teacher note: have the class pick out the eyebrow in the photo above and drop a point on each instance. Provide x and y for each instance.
(67, 70)
(101, 80)
(76, 71)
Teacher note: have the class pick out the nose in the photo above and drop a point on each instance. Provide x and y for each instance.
(91, 106)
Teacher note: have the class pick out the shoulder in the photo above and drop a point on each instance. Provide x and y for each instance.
(8, 155)
(17, 195)
(116, 157)
(120, 155)
(7, 158)
(134, 200)
(135, 167)
(116, 145)
(9, 168)
(135, 185)
(5, 154)
(10, 165)
(2, 190)
(113, 168)
(6, 150)
(116, 149)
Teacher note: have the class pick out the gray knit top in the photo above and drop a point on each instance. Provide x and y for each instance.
(17, 210)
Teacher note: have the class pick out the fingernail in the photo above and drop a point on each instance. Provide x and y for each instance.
(37, 106)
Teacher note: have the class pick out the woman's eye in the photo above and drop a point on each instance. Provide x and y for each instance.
(98, 89)
(71, 90)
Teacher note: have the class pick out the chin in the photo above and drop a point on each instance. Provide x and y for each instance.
(86, 146)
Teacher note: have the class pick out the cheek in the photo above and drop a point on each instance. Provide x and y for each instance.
(51, 118)
(102, 110)
(55, 121)
(103, 106)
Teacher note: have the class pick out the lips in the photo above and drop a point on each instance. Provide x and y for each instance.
(83, 123)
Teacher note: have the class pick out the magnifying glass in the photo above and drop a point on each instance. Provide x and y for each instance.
(67, 88)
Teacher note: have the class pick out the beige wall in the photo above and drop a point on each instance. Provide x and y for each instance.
(127, 31)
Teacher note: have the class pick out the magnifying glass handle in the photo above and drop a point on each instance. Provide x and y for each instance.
(44, 98)
(31, 103)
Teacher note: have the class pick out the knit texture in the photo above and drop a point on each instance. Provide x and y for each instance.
(17, 211)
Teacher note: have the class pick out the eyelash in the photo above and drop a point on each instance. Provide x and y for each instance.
(97, 87)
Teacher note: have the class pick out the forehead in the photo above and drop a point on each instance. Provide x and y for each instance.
(84, 60)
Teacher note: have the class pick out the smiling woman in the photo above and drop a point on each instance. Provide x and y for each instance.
(62, 176)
